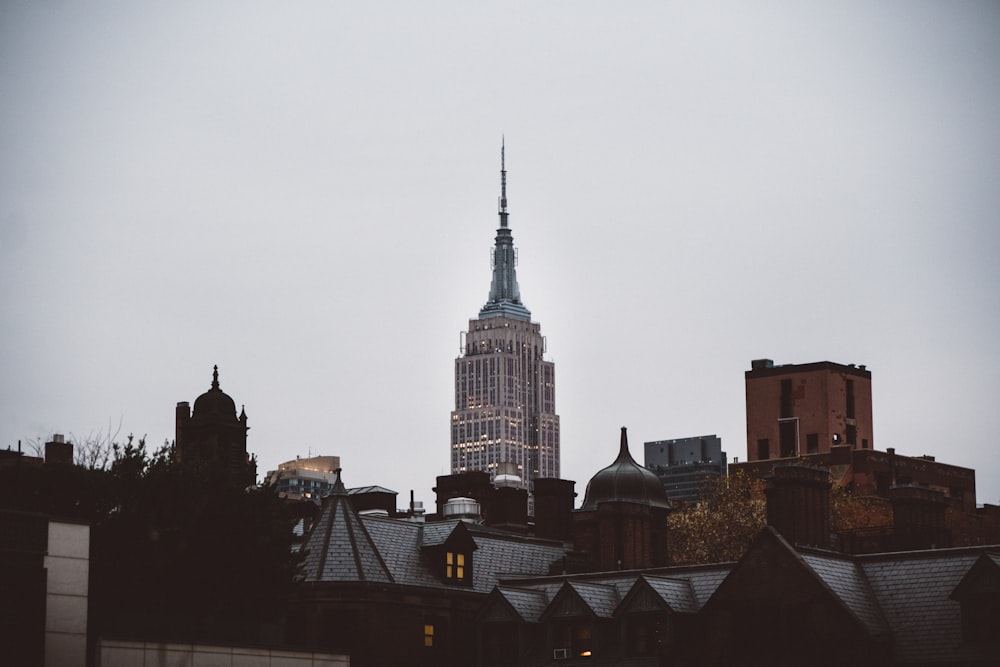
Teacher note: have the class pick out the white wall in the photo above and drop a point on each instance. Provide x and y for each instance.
(68, 569)
(120, 653)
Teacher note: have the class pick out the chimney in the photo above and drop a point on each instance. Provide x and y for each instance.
(508, 509)
(798, 504)
(182, 415)
(553, 507)
(918, 518)
(473, 484)
(58, 451)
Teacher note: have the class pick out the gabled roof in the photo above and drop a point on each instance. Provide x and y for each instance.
(677, 594)
(914, 591)
(529, 604)
(581, 598)
(847, 580)
(602, 599)
(346, 547)
(684, 588)
(982, 577)
(908, 595)
(358, 490)
(436, 534)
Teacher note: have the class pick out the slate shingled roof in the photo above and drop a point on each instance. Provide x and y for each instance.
(602, 598)
(345, 547)
(848, 582)
(914, 592)
(908, 595)
(677, 593)
(684, 588)
(338, 548)
(528, 603)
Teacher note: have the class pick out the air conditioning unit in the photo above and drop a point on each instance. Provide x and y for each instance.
(560, 653)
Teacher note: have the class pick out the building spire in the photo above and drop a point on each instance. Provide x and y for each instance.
(505, 297)
(503, 184)
(215, 377)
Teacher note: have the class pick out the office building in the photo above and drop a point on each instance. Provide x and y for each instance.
(309, 478)
(505, 410)
(684, 464)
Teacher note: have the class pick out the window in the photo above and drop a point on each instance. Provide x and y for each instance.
(429, 635)
(573, 636)
(787, 402)
(852, 434)
(763, 449)
(788, 436)
(454, 566)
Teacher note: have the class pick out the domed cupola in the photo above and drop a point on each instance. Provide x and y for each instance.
(625, 481)
(214, 435)
(214, 405)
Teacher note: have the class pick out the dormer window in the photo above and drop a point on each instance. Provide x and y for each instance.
(454, 566)
(448, 548)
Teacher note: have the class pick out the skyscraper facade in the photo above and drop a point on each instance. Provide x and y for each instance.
(505, 406)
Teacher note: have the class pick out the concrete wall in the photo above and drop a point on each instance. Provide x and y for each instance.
(121, 653)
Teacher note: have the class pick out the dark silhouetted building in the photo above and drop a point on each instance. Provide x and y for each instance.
(212, 435)
(622, 523)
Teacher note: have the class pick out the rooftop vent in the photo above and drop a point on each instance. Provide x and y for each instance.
(465, 509)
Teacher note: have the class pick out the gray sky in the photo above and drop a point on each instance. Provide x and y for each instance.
(305, 194)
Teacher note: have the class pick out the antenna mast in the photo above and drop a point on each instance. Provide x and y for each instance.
(503, 184)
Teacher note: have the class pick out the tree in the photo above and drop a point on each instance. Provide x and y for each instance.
(178, 552)
(850, 510)
(721, 525)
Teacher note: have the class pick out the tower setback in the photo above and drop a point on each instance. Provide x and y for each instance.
(505, 410)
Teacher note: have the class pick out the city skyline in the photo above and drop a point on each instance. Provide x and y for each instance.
(304, 195)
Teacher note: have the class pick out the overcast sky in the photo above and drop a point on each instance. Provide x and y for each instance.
(305, 194)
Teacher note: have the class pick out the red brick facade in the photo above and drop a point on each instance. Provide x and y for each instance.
(800, 409)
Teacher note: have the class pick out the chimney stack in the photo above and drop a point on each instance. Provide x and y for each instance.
(58, 451)
(798, 504)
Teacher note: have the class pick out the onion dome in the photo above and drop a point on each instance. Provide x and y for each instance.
(214, 403)
(625, 481)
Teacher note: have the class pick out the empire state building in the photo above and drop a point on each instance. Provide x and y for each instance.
(505, 407)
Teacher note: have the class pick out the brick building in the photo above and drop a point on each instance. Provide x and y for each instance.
(821, 414)
(798, 409)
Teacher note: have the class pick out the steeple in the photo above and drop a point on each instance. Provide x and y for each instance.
(505, 296)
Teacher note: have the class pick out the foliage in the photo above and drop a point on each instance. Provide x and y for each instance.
(850, 510)
(721, 525)
(176, 551)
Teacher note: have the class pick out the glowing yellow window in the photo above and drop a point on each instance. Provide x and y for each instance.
(454, 565)
(428, 635)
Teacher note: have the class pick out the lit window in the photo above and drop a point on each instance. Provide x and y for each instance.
(428, 635)
(454, 566)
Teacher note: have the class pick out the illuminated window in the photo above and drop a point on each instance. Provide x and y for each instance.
(454, 566)
(428, 635)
